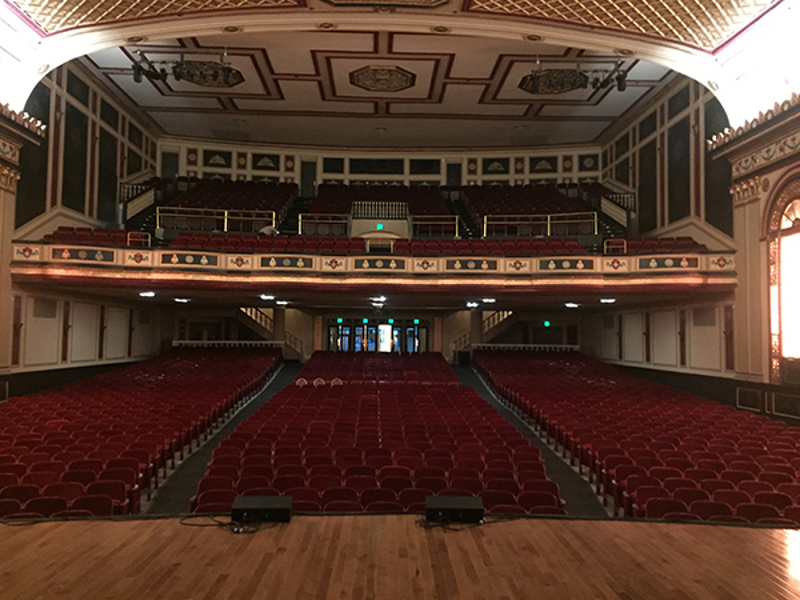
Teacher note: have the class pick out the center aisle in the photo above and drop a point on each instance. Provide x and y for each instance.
(581, 501)
(172, 497)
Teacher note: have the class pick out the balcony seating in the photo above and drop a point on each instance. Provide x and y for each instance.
(236, 195)
(111, 435)
(87, 236)
(531, 199)
(220, 242)
(655, 451)
(394, 437)
(338, 198)
(652, 245)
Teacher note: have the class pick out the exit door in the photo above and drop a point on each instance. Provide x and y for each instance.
(308, 179)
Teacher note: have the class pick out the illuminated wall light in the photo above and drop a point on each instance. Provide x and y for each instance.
(472, 305)
(378, 298)
(377, 304)
(379, 226)
(182, 300)
(488, 300)
(547, 323)
(282, 302)
(571, 304)
(266, 297)
(607, 300)
(147, 294)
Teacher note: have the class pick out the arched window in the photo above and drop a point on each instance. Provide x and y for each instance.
(789, 282)
(784, 279)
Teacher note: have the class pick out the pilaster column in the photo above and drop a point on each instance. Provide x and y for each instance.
(475, 326)
(15, 131)
(751, 302)
(318, 338)
(279, 324)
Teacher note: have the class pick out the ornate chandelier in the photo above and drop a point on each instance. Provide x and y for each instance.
(207, 73)
(559, 81)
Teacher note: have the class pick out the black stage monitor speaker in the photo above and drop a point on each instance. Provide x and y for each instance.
(454, 509)
(262, 509)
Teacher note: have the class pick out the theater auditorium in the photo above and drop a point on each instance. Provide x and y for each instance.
(399, 299)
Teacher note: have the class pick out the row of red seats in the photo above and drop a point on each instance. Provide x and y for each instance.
(494, 247)
(237, 195)
(627, 430)
(327, 446)
(125, 426)
(653, 245)
(252, 243)
(334, 367)
(338, 198)
(518, 200)
(87, 236)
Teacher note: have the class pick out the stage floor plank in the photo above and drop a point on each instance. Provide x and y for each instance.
(363, 557)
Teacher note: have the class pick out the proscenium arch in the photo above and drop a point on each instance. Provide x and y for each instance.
(785, 193)
(743, 83)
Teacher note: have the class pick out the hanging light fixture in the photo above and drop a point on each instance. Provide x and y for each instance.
(207, 73)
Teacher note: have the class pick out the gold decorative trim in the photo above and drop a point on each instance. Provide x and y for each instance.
(58, 16)
(698, 24)
(729, 135)
(8, 179)
(760, 158)
(746, 191)
(23, 119)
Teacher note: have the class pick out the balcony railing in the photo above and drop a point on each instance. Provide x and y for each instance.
(323, 224)
(209, 219)
(435, 226)
(379, 210)
(561, 224)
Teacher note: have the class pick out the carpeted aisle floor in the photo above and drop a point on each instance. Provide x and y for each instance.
(576, 491)
(172, 497)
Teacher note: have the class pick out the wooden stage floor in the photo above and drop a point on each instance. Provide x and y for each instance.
(392, 556)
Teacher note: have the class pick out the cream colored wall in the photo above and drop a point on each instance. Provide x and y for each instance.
(301, 325)
(633, 338)
(42, 333)
(291, 158)
(84, 334)
(454, 326)
(705, 343)
(608, 336)
(663, 337)
(116, 345)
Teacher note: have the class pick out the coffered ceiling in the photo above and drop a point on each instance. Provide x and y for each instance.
(704, 24)
(378, 89)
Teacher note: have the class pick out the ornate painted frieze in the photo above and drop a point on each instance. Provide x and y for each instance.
(194, 259)
(764, 156)
(471, 265)
(566, 264)
(667, 262)
(616, 264)
(278, 262)
(82, 254)
(29, 252)
(138, 258)
(387, 263)
(516, 269)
